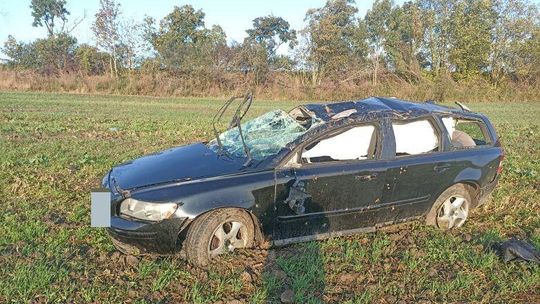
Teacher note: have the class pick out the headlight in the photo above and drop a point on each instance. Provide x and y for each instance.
(105, 181)
(147, 211)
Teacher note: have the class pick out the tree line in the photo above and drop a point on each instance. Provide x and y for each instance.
(421, 43)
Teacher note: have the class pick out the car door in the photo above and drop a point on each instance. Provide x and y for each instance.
(335, 182)
(419, 170)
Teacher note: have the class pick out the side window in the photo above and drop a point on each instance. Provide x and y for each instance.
(355, 143)
(415, 137)
(466, 133)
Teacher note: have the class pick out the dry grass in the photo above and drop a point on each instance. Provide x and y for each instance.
(278, 86)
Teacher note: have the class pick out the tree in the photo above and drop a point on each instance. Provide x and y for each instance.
(131, 43)
(395, 34)
(106, 31)
(49, 56)
(46, 12)
(21, 55)
(514, 33)
(471, 24)
(179, 33)
(377, 21)
(56, 54)
(252, 58)
(271, 32)
(334, 38)
(90, 60)
(527, 67)
(183, 43)
(404, 46)
(437, 17)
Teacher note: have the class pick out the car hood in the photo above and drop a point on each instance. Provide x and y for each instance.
(174, 165)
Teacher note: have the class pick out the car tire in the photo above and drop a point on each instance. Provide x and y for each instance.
(218, 232)
(451, 209)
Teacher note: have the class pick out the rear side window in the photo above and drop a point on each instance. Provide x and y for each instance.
(465, 134)
(415, 137)
(354, 144)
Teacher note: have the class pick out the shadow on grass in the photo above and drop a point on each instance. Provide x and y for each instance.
(295, 273)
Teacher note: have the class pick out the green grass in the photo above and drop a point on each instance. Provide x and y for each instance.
(55, 147)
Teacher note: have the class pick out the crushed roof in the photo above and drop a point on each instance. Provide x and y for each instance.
(378, 106)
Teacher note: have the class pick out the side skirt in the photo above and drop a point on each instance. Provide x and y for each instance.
(327, 235)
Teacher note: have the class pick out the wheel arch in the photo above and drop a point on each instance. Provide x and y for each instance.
(471, 186)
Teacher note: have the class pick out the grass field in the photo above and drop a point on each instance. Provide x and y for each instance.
(55, 147)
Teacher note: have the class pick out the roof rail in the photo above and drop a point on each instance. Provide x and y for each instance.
(463, 107)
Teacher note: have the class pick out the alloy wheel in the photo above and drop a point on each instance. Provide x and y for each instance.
(453, 212)
(227, 237)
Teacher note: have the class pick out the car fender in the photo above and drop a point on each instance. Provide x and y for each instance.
(195, 208)
(468, 175)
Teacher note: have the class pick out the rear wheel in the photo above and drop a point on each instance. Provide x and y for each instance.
(216, 233)
(451, 209)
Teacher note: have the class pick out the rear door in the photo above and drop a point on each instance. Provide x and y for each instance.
(419, 170)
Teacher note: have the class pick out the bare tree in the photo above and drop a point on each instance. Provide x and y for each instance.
(106, 30)
(131, 42)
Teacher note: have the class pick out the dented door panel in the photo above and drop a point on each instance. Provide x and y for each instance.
(330, 197)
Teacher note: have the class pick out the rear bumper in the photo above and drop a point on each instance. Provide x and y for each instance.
(160, 237)
(485, 192)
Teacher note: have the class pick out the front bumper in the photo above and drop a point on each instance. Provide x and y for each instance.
(148, 237)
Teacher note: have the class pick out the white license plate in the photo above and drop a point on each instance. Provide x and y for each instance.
(100, 208)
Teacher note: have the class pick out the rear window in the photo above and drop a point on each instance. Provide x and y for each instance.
(415, 137)
(465, 133)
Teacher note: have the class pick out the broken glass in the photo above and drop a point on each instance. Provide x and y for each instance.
(264, 136)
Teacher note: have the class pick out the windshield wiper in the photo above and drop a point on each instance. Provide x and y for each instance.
(235, 122)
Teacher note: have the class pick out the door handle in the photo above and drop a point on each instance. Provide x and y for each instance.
(441, 168)
(365, 178)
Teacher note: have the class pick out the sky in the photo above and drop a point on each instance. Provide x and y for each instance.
(234, 16)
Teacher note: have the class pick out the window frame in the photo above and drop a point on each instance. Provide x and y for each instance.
(297, 151)
(481, 124)
(434, 124)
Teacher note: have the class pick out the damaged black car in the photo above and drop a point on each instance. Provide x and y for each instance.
(317, 171)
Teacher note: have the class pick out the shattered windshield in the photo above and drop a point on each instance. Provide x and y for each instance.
(264, 136)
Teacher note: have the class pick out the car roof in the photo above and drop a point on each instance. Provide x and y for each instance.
(375, 107)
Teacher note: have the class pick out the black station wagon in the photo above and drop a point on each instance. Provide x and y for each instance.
(320, 170)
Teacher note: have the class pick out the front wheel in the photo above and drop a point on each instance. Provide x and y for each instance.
(451, 208)
(218, 232)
